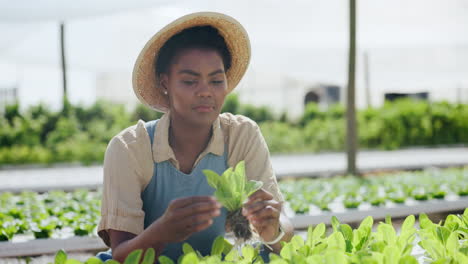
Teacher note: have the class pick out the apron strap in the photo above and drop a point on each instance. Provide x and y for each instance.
(150, 128)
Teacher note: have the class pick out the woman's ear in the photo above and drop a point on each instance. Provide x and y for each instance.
(163, 81)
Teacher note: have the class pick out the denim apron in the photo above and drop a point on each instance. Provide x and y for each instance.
(167, 184)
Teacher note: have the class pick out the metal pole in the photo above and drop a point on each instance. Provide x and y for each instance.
(64, 64)
(367, 79)
(459, 94)
(351, 135)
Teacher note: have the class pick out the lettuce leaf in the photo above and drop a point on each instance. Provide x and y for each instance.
(232, 187)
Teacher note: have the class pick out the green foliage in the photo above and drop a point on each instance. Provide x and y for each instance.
(231, 104)
(342, 245)
(134, 257)
(283, 137)
(11, 112)
(232, 187)
(43, 215)
(81, 133)
(395, 125)
(76, 133)
(144, 113)
(61, 257)
(444, 242)
(325, 134)
(374, 191)
(413, 123)
(24, 155)
(311, 113)
(257, 114)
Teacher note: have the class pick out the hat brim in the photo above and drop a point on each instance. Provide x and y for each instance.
(146, 84)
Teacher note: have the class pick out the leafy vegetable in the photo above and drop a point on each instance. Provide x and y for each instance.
(442, 243)
(44, 215)
(375, 190)
(232, 190)
(232, 187)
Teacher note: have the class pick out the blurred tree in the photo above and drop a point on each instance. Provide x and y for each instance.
(144, 113)
(12, 111)
(231, 104)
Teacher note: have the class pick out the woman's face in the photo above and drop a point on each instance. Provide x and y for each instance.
(196, 85)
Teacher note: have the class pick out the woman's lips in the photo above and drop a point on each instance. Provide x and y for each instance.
(204, 108)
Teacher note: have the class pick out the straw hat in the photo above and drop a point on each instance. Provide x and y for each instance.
(146, 84)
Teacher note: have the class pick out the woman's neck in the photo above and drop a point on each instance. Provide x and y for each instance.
(187, 138)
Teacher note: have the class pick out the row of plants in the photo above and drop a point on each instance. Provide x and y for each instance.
(374, 190)
(45, 215)
(81, 134)
(398, 124)
(52, 214)
(78, 133)
(445, 242)
(75, 134)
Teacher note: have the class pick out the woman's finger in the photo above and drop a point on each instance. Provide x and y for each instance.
(254, 208)
(265, 213)
(266, 222)
(196, 227)
(198, 208)
(200, 218)
(259, 195)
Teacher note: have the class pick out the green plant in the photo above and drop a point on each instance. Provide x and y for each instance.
(231, 104)
(44, 215)
(81, 133)
(441, 243)
(445, 243)
(232, 189)
(375, 190)
(144, 113)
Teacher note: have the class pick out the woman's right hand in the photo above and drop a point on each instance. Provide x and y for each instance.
(188, 215)
(183, 217)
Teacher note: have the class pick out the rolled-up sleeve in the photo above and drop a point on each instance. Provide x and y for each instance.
(258, 164)
(124, 178)
(246, 142)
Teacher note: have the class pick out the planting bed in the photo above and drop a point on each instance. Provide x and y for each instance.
(429, 243)
(312, 201)
(55, 214)
(59, 218)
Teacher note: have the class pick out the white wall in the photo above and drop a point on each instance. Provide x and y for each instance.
(116, 87)
(413, 45)
(37, 84)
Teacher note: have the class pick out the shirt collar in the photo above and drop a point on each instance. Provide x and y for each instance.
(162, 151)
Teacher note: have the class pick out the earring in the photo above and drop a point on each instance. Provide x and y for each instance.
(165, 92)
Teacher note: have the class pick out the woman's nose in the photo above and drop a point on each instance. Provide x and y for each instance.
(204, 90)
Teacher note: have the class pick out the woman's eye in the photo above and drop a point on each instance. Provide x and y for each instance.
(218, 82)
(189, 82)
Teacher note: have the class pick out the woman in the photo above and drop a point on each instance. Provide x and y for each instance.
(155, 194)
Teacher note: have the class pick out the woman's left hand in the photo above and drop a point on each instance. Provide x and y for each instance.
(263, 212)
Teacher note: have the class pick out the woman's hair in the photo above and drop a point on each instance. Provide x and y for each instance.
(203, 37)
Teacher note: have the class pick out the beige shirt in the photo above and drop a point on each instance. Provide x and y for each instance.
(129, 163)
